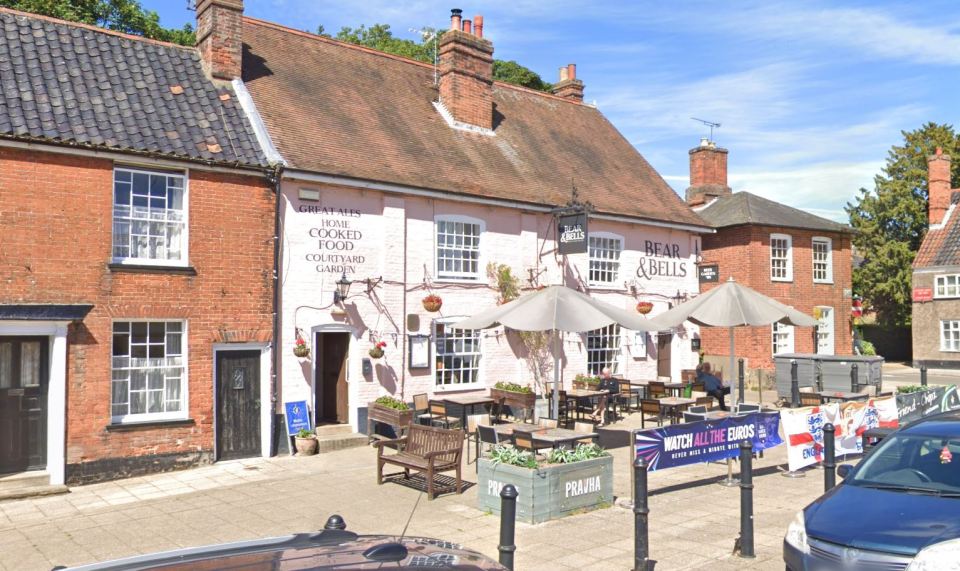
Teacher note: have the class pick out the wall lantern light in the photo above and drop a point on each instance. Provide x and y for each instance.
(343, 288)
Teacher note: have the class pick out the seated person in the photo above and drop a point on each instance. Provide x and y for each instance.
(608, 385)
(712, 385)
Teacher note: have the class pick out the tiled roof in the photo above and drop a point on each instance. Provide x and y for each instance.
(342, 110)
(746, 208)
(73, 84)
(941, 245)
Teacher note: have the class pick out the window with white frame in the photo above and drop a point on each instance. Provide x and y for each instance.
(781, 257)
(950, 335)
(604, 252)
(457, 355)
(782, 338)
(603, 349)
(149, 216)
(822, 260)
(458, 248)
(149, 370)
(947, 286)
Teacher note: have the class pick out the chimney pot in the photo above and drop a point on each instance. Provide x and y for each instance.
(569, 87)
(467, 27)
(478, 25)
(455, 16)
(564, 73)
(572, 71)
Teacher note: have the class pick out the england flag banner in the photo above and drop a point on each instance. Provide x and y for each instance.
(803, 428)
(887, 412)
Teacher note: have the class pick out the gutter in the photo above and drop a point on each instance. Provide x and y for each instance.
(275, 177)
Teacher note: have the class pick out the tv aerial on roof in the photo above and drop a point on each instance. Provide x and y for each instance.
(428, 35)
(710, 124)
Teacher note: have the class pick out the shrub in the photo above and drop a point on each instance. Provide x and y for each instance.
(513, 456)
(868, 348)
(513, 387)
(910, 389)
(391, 402)
(580, 453)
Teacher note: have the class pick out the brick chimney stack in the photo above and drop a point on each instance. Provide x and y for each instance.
(938, 186)
(466, 72)
(220, 37)
(569, 87)
(708, 172)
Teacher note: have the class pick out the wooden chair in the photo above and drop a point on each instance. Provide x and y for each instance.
(564, 406)
(584, 427)
(656, 390)
(425, 450)
(421, 408)
(810, 399)
(688, 375)
(438, 414)
(697, 409)
(485, 435)
(650, 407)
(547, 423)
(706, 402)
(523, 440)
(473, 422)
(496, 410)
(625, 396)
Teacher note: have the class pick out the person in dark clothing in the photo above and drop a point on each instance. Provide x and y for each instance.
(712, 385)
(610, 386)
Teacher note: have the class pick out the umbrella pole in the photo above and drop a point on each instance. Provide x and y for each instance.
(732, 370)
(555, 413)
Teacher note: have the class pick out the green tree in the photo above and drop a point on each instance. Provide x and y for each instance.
(126, 16)
(381, 38)
(891, 220)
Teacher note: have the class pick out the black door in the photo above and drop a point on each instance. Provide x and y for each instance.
(664, 344)
(24, 377)
(238, 404)
(331, 378)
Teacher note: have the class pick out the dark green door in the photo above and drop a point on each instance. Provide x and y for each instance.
(24, 377)
(238, 404)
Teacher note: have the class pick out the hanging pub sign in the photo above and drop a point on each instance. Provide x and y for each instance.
(572, 233)
(709, 273)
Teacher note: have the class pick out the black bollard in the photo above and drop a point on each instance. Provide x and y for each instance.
(829, 462)
(794, 385)
(508, 520)
(641, 542)
(923, 376)
(335, 522)
(746, 500)
(740, 376)
(854, 379)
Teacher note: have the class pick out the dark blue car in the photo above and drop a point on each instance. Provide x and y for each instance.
(898, 509)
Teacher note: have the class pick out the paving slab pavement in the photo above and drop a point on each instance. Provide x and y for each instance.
(693, 521)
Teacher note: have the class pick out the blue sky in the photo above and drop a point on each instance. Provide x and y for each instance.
(810, 95)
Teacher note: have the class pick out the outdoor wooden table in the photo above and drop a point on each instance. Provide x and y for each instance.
(675, 405)
(555, 437)
(585, 394)
(842, 396)
(465, 402)
(675, 388)
(640, 387)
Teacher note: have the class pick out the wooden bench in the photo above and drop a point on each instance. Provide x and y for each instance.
(426, 450)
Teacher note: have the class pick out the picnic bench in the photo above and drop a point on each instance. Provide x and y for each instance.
(426, 450)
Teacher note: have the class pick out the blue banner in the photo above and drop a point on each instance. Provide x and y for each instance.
(298, 416)
(706, 440)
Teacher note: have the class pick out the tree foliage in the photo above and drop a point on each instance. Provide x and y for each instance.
(381, 38)
(891, 221)
(126, 16)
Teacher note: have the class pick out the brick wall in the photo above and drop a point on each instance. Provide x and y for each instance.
(926, 325)
(55, 227)
(744, 253)
(466, 78)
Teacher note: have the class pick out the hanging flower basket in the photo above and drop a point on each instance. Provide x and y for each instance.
(301, 349)
(377, 351)
(432, 303)
(644, 307)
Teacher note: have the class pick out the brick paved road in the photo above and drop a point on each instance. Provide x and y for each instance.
(694, 521)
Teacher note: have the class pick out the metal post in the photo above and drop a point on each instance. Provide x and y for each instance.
(794, 385)
(335, 522)
(923, 376)
(818, 374)
(729, 481)
(740, 377)
(632, 472)
(746, 500)
(829, 463)
(641, 511)
(854, 379)
(508, 517)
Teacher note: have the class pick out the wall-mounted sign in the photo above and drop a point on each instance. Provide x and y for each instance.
(572, 233)
(338, 243)
(419, 351)
(661, 259)
(695, 344)
(709, 273)
(922, 294)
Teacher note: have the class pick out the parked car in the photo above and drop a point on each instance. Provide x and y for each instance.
(327, 549)
(898, 509)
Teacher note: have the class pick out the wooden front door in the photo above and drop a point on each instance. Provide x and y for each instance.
(24, 377)
(664, 343)
(238, 404)
(331, 378)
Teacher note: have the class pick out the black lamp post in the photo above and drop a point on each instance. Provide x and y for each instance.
(343, 288)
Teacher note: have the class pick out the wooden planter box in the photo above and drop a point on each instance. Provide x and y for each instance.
(399, 419)
(514, 400)
(549, 492)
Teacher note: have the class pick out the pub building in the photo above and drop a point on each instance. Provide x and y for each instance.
(403, 181)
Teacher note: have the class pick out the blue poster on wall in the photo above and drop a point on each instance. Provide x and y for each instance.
(706, 440)
(298, 416)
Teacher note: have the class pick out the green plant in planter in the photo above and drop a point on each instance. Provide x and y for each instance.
(587, 379)
(306, 433)
(513, 457)
(579, 454)
(910, 389)
(390, 402)
(513, 388)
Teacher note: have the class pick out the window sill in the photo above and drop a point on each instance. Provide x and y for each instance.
(475, 281)
(782, 280)
(149, 424)
(822, 282)
(152, 269)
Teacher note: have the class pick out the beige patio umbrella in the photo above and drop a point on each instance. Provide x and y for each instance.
(558, 309)
(733, 305)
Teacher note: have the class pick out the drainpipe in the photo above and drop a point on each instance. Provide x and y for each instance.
(275, 177)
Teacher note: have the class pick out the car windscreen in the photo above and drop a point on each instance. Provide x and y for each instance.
(913, 462)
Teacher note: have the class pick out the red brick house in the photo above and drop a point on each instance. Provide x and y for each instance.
(136, 223)
(936, 274)
(795, 257)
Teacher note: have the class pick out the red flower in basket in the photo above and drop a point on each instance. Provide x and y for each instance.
(432, 303)
(644, 307)
(300, 348)
(377, 350)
